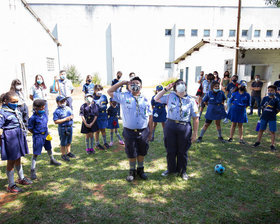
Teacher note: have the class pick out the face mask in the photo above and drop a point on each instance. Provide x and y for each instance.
(99, 93)
(216, 90)
(271, 94)
(89, 80)
(63, 104)
(257, 79)
(118, 76)
(242, 88)
(39, 81)
(41, 112)
(135, 87)
(114, 104)
(89, 99)
(234, 80)
(180, 88)
(62, 77)
(13, 106)
(19, 87)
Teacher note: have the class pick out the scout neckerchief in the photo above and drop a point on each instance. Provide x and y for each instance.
(180, 105)
(137, 104)
(16, 112)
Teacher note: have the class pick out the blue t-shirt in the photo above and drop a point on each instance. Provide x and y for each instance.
(270, 107)
(37, 123)
(277, 84)
(242, 100)
(88, 88)
(63, 112)
(230, 88)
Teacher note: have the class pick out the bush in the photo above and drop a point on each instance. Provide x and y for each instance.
(96, 79)
(168, 81)
(73, 74)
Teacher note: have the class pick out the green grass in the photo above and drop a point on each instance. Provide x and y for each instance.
(93, 189)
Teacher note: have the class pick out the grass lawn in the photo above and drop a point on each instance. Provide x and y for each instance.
(93, 189)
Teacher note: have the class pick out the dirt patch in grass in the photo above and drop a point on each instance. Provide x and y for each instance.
(119, 148)
(98, 191)
(6, 198)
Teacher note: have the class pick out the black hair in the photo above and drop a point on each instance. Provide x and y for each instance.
(7, 96)
(97, 87)
(235, 76)
(131, 73)
(39, 103)
(226, 73)
(15, 83)
(272, 87)
(61, 71)
(210, 77)
(176, 82)
(136, 78)
(213, 84)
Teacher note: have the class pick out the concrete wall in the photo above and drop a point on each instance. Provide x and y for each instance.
(137, 33)
(23, 41)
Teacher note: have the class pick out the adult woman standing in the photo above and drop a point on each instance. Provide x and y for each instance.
(39, 91)
(178, 135)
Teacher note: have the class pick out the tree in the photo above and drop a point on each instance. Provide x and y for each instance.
(273, 2)
(73, 74)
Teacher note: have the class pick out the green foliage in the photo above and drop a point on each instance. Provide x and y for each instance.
(73, 74)
(96, 79)
(273, 2)
(168, 81)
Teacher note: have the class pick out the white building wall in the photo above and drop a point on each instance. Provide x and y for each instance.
(23, 41)
(138, 38)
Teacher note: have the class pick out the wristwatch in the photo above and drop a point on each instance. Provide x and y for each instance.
(166, 90)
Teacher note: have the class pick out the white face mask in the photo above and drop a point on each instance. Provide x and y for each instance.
(89, 99)
(63, 104)
(257, 79)
(19, 87)
(181, 88)
(99, 93)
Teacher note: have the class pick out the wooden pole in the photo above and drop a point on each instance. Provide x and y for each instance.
(237, 36)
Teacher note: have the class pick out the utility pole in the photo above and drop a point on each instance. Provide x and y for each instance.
(237, 36)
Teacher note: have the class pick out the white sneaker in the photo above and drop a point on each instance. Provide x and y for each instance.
(225, 121)
(111, 143)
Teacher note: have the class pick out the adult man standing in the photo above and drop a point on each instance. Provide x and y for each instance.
(256, 88)
(137, 124)
(64, 87)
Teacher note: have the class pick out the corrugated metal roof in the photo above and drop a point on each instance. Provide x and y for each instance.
(268, 44)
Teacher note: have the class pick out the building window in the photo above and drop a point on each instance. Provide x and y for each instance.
(168, 65)
(244, 33)
(269, 33)
(50, 64)
(168, 32)
(194, 33)
(181, 33)
(231, 33)
(220, 33)
(206, 33)
(197, 73)
(257, 33)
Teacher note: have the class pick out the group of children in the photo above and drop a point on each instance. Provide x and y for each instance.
(96, 118)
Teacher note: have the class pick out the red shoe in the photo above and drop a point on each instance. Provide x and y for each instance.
(24, 181)
(14, 189)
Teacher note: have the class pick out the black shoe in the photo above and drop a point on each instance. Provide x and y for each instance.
(141, 173)
(221, 139)
(54, 162)
(106, 145)
(272, 148)
(229, 140)
(71, 155)
(199, 140)
(256, 144)
(100, 147)
(65, 158)
(184, 176)
(33, 175)
(131, 175)
(241, 141)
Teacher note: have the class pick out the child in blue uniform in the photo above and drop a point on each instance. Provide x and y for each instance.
(102, 119)
(38, 126)
(13, 140)
(88, 87)
(159, 111)
(89, 113)
(113, 123)
(237, 113)
(63, 116)
(270, 107)
(215, 110)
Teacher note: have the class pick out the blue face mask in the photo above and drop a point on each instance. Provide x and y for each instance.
(13, 106)
(39, 82)
(271, 94)
(216, 90)
(41, 112)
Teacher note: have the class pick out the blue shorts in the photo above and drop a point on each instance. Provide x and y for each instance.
(272, 125)
(38, 142)
(65, 135)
